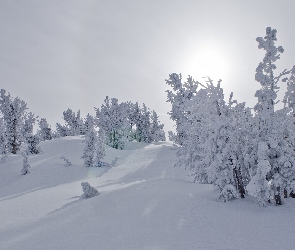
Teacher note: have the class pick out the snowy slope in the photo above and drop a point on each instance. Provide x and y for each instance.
(145, 203)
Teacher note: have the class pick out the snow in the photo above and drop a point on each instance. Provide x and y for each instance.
(144, 203)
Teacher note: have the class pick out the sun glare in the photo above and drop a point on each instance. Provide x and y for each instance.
(208, 62)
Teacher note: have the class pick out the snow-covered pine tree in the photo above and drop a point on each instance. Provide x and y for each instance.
(270, 131)
(27, 127)
(112, 118)
(178, 97)
(90, 143)
(13, 111)
(26, 165)
(89, 123)
(100, 150)
(143, 123)
(289, 98)
(135, 119)
(172, 136)
(33, 142)
(203, 112)
(258, 186)
(44, 131)
(88, 191)
(74, 123)
(288, 171)
(27, 135)
(3, 142)
(61, 131)
(157, 132)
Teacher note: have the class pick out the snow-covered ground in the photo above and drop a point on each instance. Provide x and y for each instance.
(145, 203)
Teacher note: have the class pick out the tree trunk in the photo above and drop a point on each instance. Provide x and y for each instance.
(15, 144)
(239, 182)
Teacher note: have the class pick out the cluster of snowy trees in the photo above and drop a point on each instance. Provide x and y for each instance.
(239, 150)
(74, 125)
(126, 121)
(115, 124)
(16, 126)
(118, 122)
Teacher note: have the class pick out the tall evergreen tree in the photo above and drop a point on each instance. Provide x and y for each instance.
(90, 142)
(13, 111)
(44, 132)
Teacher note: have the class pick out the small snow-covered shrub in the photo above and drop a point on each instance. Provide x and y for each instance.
(3, 158)
(68, 163)
(229, 192)
(26, 164)
(115, 161)
(88, 191)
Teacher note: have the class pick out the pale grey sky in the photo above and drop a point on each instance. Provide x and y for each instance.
(71, 54)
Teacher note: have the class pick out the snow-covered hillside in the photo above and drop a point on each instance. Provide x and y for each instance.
(144, 203)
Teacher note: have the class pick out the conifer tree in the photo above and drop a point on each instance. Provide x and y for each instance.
(182, 92)
(27, 126)
(156, 129)
(3, 142)
(74, 123)
(112, 118)
(44, 132)
(100, 150)
(13, 111)
(270, 130)
(61, 131)
(33, 142)
(90, 142)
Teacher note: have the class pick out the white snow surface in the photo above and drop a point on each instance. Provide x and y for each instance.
(144, 203)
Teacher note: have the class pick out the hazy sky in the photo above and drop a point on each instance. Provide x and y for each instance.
(71, 54)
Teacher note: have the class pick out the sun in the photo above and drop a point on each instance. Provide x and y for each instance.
(208, 61)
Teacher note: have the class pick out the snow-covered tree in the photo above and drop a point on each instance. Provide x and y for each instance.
(44, 132)
(157, 132)
(27, 126)
(114, 162)
(112, 118)
(273, 126)
(74, 122)
(182, 92)
(33, 142)
(3, 142)
(26, 165)
(258, 186)
(61, 131)
(100, 150)
(68, 163)
(74, 125)
(13, 111)
(28, 136)
(88, 191)
(90, 143)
